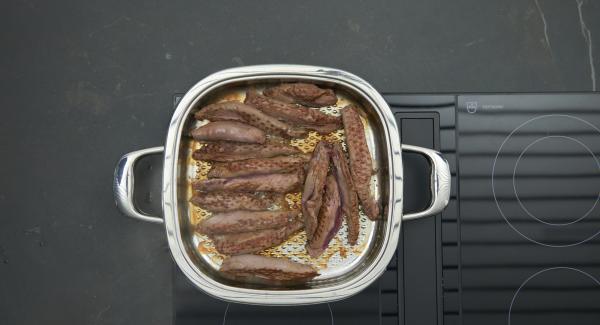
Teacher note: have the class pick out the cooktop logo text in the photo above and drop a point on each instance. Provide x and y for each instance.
(473, 106)
(492, 106)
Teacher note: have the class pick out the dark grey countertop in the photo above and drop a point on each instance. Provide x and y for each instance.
(84, 82)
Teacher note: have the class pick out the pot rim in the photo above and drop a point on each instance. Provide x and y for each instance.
(301, 296)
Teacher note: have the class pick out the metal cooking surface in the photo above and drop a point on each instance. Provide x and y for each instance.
(378, 302)
(339, 257)
(338, 284)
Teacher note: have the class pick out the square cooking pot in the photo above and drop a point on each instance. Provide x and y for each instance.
(336, 281)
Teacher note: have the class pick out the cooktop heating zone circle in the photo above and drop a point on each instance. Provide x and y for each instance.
(547, 297)
(548, 138)
(546, 170)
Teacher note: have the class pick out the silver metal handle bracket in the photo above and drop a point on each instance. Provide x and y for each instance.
(440, 182)
(123, 184)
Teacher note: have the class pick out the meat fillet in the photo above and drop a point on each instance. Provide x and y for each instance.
(360, 160)
(211, 113)
(280, 183)
(233, 152)
(298, 115)
(262, 269)
(254, 241)
(302, 93)
(281, 164)
(322, 129)
(229, 201)
(236, 111)
(312, 194)
(245, 221)
(229, 131)
(330, 219)
(341, 171)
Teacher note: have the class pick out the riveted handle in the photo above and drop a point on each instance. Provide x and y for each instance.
(123, 185)
(440, 182)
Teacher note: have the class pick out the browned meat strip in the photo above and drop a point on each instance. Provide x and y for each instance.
(229, 201)
(280, 183)
(360, 160)
(219, 112)
(266, 270)
(262, 269)
(312, 194)
(347, 192)
(229, 131)
(330, 219)
(236, 111)
(233, 152)
(302, 93)
(322, 129)
(245, 221)
(289, 112)
(281, 164)
(254, 241)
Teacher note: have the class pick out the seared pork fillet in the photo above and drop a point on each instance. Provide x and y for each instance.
(341, 171)
(312, 194)
(229, 201)
(361, 164)
(245, 221)
(302, 93)
(254, 241)
(280, 183)
(255, 268)
(330, 219)
(281, 164)
(225, 151)
(229, 131)
(298, 115)
(236, 111)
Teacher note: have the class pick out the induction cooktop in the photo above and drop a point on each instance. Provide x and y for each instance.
(518, 243)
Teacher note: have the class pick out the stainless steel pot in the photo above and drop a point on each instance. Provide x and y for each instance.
(339, 279)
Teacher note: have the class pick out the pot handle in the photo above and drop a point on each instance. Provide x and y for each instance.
(440, 182)
(123, 184)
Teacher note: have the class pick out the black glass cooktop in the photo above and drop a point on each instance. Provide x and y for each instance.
(529, 215)
(518, 242)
